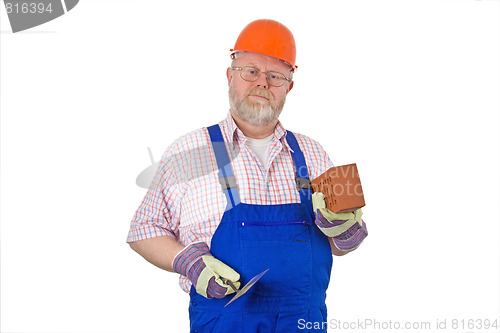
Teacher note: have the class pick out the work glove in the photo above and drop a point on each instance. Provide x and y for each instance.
(346, 229)
(204, 271)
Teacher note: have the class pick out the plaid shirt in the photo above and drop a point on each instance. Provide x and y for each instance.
(186, 200)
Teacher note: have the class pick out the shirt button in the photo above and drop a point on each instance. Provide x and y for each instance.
(194, 303)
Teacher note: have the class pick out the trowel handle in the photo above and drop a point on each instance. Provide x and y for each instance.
(229, 282)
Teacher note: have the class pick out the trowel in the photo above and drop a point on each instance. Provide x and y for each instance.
(240, 292)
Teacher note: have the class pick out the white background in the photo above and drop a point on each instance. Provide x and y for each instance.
(409, 90)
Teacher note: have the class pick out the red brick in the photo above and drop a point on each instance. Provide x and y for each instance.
(342, 188)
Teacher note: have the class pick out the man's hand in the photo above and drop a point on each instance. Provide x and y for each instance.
(346, 229)
(204, 271)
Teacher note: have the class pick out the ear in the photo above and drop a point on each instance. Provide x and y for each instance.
(290, 86)
(229, 74)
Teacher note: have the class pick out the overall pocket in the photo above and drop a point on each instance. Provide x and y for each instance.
(284, 249)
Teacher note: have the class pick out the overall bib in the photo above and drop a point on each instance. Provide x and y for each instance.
(252, 238)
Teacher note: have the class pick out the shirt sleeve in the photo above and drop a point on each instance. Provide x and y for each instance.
(158, 212)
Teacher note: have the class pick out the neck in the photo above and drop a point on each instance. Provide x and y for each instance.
(252, 131)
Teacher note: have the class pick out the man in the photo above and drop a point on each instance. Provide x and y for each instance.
(252, 209)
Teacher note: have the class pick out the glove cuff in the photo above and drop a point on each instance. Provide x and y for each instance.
(323, 222)
(184, 261)
(352, 238)
(334, 231)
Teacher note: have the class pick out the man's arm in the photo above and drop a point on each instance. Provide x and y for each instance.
(160, 251)
(193, 261)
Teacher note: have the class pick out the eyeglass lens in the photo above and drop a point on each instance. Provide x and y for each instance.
(252, 74)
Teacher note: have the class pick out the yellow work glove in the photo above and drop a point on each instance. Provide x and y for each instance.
(330, 223)
(204, 271)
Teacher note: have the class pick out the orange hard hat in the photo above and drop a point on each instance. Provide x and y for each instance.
(267, 37)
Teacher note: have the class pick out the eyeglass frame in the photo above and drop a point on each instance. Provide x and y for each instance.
(261, 72)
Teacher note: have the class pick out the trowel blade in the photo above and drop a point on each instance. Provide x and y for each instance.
(247, 286)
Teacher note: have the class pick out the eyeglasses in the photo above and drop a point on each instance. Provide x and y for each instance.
(249, 73)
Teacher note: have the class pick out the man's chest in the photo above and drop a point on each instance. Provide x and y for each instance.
(270, 185)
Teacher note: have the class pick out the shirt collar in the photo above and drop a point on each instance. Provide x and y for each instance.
(231, 131)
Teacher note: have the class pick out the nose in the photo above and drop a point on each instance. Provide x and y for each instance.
(262, 81)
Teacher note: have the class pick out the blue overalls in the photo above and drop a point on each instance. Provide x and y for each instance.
(253, 238)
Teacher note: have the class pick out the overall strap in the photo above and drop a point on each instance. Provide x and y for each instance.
(226, 177)
(301, 173)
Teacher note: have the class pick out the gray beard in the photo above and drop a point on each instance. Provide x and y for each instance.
(255, 113)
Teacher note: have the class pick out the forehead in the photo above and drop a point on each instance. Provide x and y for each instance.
(262, 62)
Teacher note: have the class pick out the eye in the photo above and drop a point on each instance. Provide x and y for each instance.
(252, 71)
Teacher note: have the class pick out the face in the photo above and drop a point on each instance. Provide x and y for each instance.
(257, 102)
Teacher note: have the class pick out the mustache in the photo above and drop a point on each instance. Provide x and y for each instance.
(261, 92)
